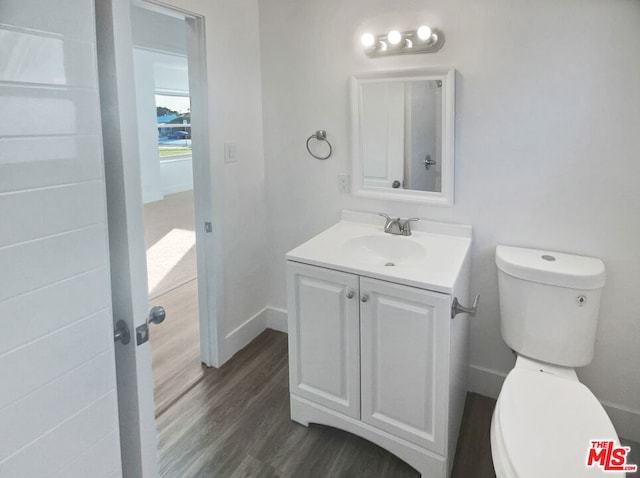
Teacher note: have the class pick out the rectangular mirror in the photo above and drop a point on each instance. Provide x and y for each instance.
(403, 135)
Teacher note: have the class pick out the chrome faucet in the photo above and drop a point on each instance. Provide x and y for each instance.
(397, 226)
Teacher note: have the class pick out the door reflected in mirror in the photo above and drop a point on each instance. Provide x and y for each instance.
(401, 141)
(403, 135)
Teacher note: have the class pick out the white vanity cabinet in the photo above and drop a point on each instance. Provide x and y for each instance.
(373, 349)
(324, 337)
(404, 334)
(376, 353)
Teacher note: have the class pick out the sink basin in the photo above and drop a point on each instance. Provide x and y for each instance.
(430, 258)
(387, 250)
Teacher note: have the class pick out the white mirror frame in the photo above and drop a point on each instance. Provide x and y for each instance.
(443, 198)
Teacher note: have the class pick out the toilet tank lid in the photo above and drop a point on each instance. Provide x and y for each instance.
(552, 268)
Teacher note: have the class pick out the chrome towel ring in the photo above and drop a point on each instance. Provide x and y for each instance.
(320, 136)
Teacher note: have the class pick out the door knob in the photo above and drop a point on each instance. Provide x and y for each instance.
(428, 162)
(157, 314)
(350, 294)
(364, 298)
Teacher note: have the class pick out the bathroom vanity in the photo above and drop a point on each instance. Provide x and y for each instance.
(373, 347)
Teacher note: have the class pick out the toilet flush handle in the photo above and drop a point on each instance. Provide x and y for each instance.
(456, 308)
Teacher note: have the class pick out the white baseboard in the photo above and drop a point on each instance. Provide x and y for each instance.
(488, 382)
(485, 381)
(240, 337)
(277, 319)
(176, 188)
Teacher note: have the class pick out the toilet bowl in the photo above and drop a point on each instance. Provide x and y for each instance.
(545, 419)
(543, 424)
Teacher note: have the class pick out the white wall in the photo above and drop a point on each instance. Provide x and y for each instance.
(547, 143)
(157, 71)
(160, 60)
(147, 126)
(239, 198)
(155, 31)
(171, 74)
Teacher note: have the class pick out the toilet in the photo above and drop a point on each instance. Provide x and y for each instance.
(545, 418)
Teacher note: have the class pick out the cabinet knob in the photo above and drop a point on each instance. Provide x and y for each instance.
(364, 298)
(349, 294)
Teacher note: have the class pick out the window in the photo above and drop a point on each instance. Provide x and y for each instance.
(174, 125)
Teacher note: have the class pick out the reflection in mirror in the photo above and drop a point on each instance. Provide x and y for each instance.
(400, 130)
(403, 135)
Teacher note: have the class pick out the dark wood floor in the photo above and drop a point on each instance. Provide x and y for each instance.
(175, 346)
(235, 423)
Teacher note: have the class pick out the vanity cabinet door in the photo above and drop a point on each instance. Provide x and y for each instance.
(405, 363)
(324, 337)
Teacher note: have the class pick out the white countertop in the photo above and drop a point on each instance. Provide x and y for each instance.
(436, 267)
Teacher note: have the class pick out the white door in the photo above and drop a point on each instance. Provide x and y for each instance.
(405, 343)
(126, 236)
(126, 230)
(58, 400)
(383, 135)
(324, 349)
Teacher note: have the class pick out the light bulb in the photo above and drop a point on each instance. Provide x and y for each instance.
(367, 39)
(394, 37)
(424, 32)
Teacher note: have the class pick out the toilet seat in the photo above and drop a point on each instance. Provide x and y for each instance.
(543, 425)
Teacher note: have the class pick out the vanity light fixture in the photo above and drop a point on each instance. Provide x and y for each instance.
(394, 37)
(368, 40)
(422, 40)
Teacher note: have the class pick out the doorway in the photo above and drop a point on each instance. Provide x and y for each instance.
(127, 248)
(161, 67)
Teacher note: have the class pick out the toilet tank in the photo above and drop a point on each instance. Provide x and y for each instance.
(549, 304)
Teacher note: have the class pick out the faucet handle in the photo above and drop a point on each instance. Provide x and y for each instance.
(405, 225)
(389, 225)
(388, 218)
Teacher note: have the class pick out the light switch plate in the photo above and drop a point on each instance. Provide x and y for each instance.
(230, 152)
(343, 182)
